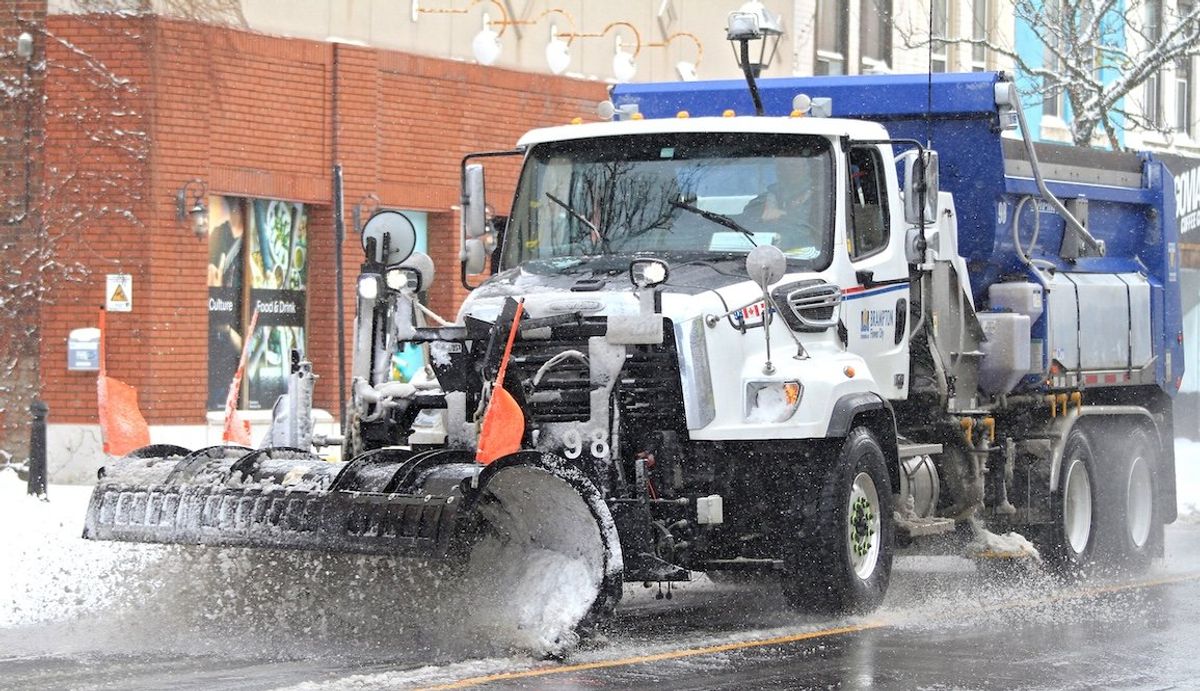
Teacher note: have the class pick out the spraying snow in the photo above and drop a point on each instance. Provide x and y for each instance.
(73, 596)
(541, 567)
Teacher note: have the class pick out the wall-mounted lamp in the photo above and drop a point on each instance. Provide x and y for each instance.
(364, 209)
(25, 46)
(684, 69)
(486, 46)
(624, 66)
(558, 51)
(624, 63)
(753, 22)
(196, 211)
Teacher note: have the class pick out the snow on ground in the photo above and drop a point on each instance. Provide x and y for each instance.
(1187, 479)
(49, 572)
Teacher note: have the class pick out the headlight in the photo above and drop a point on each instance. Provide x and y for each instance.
(394, 278)
(648, 273)
(398, 278)
(772, 401)
(368, 286)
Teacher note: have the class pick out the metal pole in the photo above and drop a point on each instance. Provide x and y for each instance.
(36, 485)
(339, 236)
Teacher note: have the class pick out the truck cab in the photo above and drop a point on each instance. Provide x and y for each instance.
(699, 194)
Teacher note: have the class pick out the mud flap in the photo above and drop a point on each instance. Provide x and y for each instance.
(636, 527)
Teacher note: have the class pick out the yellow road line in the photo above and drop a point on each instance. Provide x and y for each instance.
(792, 638)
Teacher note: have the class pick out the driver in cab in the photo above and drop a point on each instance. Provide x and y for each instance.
(784, 208)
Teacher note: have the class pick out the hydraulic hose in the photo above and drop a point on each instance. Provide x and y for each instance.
(1037, 227)
(1094, 245)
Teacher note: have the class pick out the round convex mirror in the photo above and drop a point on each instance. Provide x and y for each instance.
(394, 237)
(765, 265)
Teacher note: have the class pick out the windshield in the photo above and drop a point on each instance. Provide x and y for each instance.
(707, 192)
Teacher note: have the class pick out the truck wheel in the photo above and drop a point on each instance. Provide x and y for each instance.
(840, 556)
(1134, 460)
(1072, 539)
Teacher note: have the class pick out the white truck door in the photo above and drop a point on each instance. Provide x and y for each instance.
(875, 308)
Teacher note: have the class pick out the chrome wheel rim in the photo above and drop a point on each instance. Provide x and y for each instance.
(863, 529)
(1077, 506)
(1139, 502)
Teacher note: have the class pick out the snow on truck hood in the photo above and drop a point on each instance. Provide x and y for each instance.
(691, 291)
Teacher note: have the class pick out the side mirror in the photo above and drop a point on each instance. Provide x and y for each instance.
(920, 184)
(474, 256)
(765, 265)
(473, 203)
(388, 237)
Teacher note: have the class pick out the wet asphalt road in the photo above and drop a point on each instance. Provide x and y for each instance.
(1149, 642)
(946, 627)
(943, 626)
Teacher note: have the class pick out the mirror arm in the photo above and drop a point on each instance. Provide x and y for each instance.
(462, 276)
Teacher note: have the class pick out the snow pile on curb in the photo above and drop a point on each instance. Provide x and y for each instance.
(50, 572)
(1187, 480)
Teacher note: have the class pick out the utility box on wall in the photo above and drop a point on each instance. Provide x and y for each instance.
(83, 350)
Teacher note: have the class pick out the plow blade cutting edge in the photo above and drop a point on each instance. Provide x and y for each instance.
(531, 532)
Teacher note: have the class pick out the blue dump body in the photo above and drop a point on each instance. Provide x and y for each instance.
(958, 116)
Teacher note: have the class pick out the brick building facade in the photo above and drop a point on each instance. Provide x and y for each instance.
(135, 107)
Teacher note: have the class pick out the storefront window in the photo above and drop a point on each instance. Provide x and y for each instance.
(266, 242)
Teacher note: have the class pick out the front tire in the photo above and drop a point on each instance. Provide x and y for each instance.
(839, 558)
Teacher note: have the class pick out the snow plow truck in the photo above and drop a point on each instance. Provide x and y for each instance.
(871, 318)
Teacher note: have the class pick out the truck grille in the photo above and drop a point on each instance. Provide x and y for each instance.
(812, 304)
(647, 389)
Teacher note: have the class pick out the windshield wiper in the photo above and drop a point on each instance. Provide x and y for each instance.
(571, 210)
(719, 219)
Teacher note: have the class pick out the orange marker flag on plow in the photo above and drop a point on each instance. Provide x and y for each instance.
(122, 427)
(237, 430)
(504, 421)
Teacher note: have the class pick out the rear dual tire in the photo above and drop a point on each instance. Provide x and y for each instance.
(1135, 517)
(1104, 508)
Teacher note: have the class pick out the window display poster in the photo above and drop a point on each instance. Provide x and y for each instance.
(226, 233)
(278, 264)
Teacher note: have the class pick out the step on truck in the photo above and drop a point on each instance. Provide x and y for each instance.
(874, 317)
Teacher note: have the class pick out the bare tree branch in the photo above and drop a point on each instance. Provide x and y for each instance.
(1099, 54)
